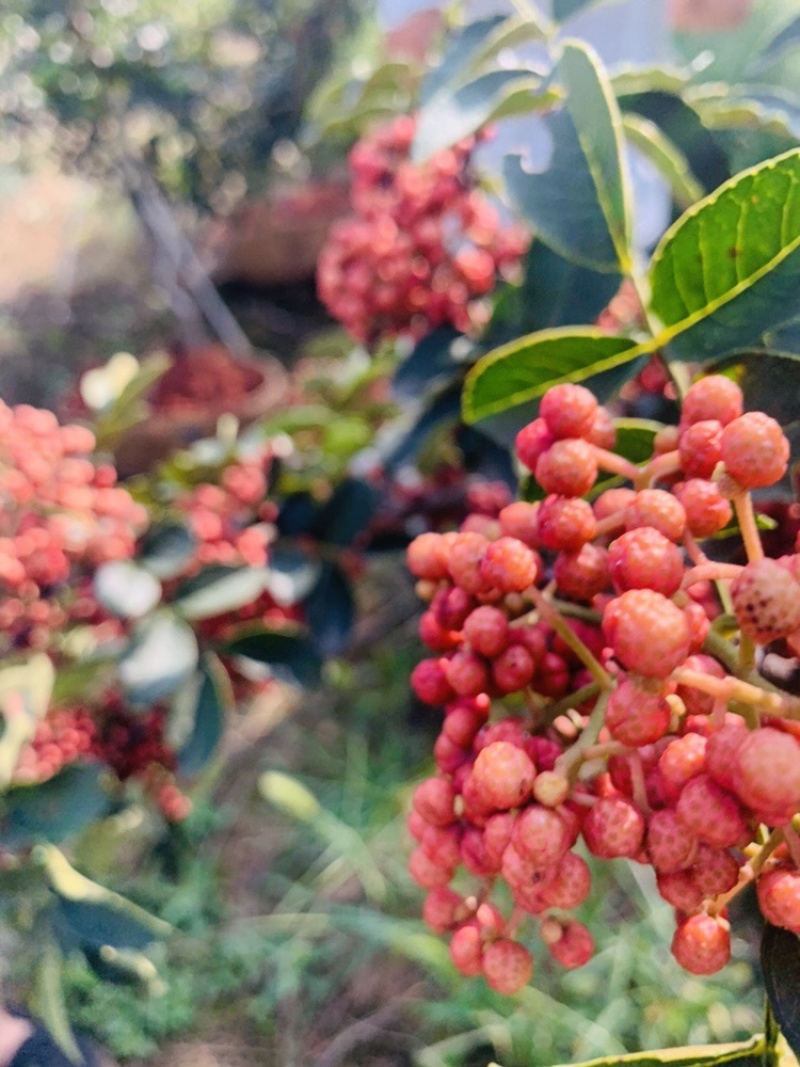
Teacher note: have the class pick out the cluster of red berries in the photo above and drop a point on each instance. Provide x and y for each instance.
(641, 728)
(424, 244)
(62, 516)
(220, 517)
(63, 737)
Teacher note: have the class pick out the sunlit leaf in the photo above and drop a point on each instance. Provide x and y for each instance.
(729, 268)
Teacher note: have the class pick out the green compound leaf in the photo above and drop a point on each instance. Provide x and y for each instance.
(522, 371)
(580, 206)
(462, 111)
(780, 963)
(736, 1054)
(729, 269)
(665, 155)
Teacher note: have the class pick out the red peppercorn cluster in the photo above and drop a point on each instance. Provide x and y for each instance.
(221, 517)
(62, 515)
(638, 729)
(64, 736)
(424, 244)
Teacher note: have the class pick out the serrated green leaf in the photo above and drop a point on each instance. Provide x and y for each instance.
(460, 112)
(580, 205)
(218, 589)
(524, 370)
(672, 164)
(729, 268)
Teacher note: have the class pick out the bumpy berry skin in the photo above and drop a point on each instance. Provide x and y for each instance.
(574, 948)
(569, 410)
(565, 524)
(755, 450)
(712, 397)
(513, 669)
(532, 441)
(768, 765)
(464, 561)
(714, 871)
(486, 629)
(613, 828)
(509, 565)
(669, 846)
(659, 509)
(700, 448)
(710, 813)
(647, 632)
(434, 799)
(440, 909)
(570, 885)
(766, 601)
(426, 556)
(540, 836)
(583, 574)
(644, 559)
(707, 510)
(702, 944)
(520, 520)
(503, 775)
(779, 897)
(429, 682)
(636, 718)
(507, 966)
(567, 468)
(466, 950)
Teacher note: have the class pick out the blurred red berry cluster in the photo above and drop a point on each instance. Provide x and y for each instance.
(424, 244)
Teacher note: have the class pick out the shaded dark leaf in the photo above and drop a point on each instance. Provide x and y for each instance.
(92, 924)
(166, 548)
(347, 513)
(55, 809)
(298, 515)
(286, 654)
(431, 363)
(330, 610)
(780, 963)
